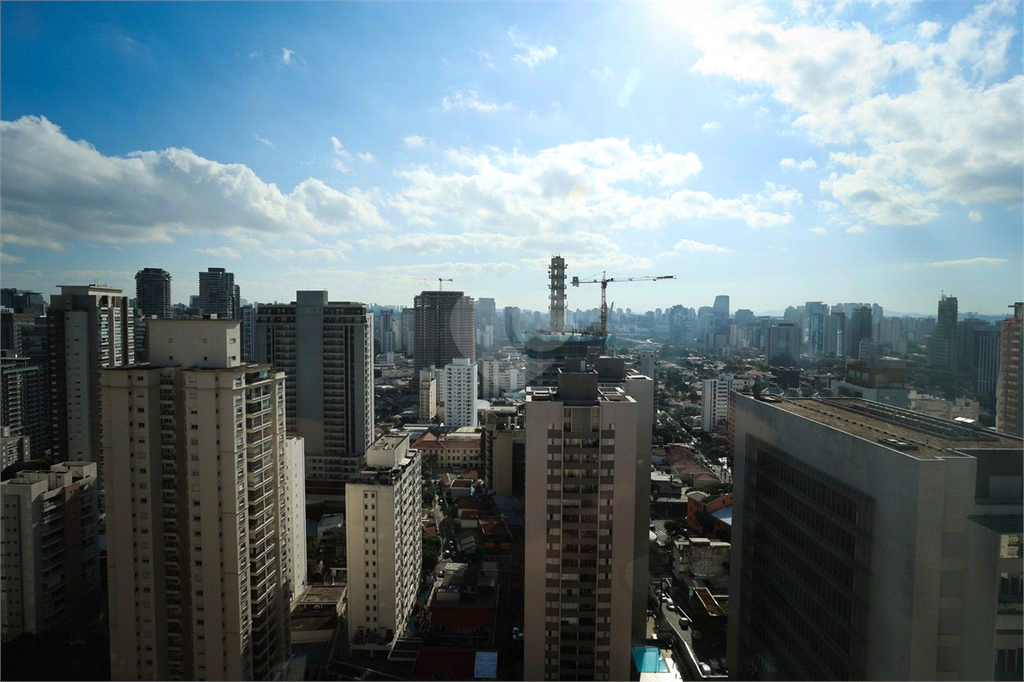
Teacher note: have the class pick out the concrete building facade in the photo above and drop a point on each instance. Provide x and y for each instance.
(384, 543)
(587, 478)
(870, 542)
(88, 328)
(460, 393)
(50, 542)
(443, 329)
(1010, 384)
(219, 295)
(199, 509)
(325, 349)
(153, 293)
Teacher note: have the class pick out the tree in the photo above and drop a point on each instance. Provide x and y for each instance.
(333, 546)
(676, 526)
(428, 493)
(431, 551)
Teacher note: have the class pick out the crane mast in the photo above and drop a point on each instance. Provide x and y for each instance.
(576, 281)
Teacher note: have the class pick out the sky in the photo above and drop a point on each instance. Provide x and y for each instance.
(778, 153)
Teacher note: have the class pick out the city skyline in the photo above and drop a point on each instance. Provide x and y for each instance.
(775, 153)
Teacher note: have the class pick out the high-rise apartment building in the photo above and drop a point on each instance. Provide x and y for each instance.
(835, 334)
(384, 543)
(714, 413)
(460, 393)
(815, 313)
(23, 393)
(408, 324)
(51, 568)
(942, 342)
(444, 322)
(428, 395)
(325, 349)
(870, 543)
(513, 326)
(153, 293)
(249, 315)
(858, 330)
(199, 510)
(1009, 399)
(587, 508)
(218, 294)
(88, 328)
(783, 347)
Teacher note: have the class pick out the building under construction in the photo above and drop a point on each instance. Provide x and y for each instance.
(547, 351)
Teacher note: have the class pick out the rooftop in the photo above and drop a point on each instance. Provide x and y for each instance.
(912, 433)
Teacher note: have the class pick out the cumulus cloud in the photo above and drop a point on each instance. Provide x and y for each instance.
(806, 164)
(968, 262)
(263, 140)
(57, 191)
(413, 141)
(856, 229)
(953, 136)
(975, 216)
(366, 157)
(8, 259)
(711, 125)
(690, 245)
(818, 231)
(468, 100)
(592, 186)
(532, 55)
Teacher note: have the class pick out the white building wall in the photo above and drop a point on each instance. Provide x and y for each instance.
(460, 393)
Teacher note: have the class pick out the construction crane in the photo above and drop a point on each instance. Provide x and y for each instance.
(440, 286)
(576, 281)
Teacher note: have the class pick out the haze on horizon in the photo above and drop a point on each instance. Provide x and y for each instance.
(774, 152)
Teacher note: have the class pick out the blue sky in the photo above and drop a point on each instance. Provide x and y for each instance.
(778, 153)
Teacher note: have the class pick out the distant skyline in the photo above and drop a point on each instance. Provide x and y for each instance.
(776, 152)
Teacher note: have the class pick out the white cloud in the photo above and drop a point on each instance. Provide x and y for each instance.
(367, 157)
(534, 54)
(626, 93)
(806, 164)
(953, 136)
(8, 259)
(263, 140)
(602, 73)
(711, 125)
(221, 252)
(976, 216)
(587, 187)
(856, 229)
(968, 262)
(413, 141)
(290, 57)
(58, 191)
(690, 245)
(819, 231)
(468, 101)
(485, 57)
(928, 29)
(340, 155)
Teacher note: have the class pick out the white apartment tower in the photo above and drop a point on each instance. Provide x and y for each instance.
(587, 476)
(199, 509)
(714, 413)
(325, 349)
(50, 544)
(88, 328)
(460, 393)
(384, 543)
